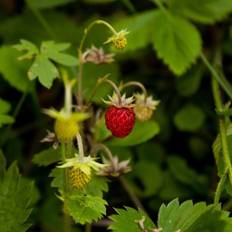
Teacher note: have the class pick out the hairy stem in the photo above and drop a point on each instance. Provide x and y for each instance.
(80, 146)
(135, 83)
(219, 189)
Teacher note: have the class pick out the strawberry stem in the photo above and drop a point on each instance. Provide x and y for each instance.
(80, 146)
(135, 83)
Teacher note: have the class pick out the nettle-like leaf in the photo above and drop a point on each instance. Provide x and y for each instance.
(189, 118)
(86, 208)
(129, 219)
(47, 157)
(4, 109)
(141, 133)
(43, 67)
(177, 41)
(16, 198)
(207, 11)
(189, 217)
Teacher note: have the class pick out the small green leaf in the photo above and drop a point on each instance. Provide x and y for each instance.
(177, 41)
(47, 157)
(44, 69)
(207, 11)
(4, 106)
(127, 220)
(4, 109)
(86, 208)
(189, 118)
(54, 52)
(142, 132)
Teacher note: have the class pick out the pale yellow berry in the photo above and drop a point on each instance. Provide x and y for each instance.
(66, 129)
(120, 42)
(143, 113)
(78, 178)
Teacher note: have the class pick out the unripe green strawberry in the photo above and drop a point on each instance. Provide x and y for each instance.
(78, 178)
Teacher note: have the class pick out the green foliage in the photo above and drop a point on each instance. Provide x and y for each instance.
(16, 76)
(151, 177)
(189, 118)
(177, 41)
(44, 4)
(128, 220)
(42, 66)
(16, 198)
(208, 11)
(85, 208)
(47, 157)
(141, 133)
(4, 109)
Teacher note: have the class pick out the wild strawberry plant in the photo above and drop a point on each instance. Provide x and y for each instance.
(100, 115)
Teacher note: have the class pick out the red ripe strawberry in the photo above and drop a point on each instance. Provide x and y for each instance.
(120, 121)
(120, 116)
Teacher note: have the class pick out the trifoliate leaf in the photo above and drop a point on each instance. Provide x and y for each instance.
(54, 52)
(44, 69)
(86, 208)
(4, 109)
(191, 217)
(139, 27)
(44, 4)
(129, 219)
(141, 133)
(16, 196)
(189, 118)
(47, 157)
(207, 11)
(16, 76)
(177, 41)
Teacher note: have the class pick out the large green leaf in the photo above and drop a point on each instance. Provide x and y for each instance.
(16, 196)
(128, 219)
(142, 132)
(189, 118)
(177, 41)
(15, 76)
(207, 11)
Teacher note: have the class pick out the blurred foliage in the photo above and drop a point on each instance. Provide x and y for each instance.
(162, 52)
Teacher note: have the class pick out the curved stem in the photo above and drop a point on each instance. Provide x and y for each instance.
(219, 189)
(80, 146)
(103, 147)
(135, 83)
(79, 78)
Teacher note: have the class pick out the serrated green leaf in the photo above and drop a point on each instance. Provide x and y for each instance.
(16, 76)
(47, 157)
(45, 4)
(44, 69)
(127, 220)
(177, 42)
(139, 27)
(54, 52)
(15, 200)
(207, 11)
(142, 132)
(86, 208)
(189, 118)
